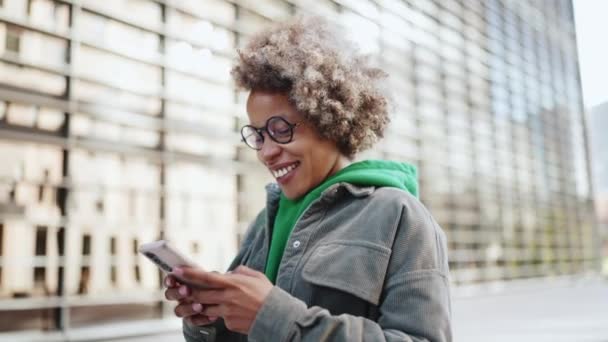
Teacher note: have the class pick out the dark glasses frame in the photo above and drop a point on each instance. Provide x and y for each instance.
(260, 132)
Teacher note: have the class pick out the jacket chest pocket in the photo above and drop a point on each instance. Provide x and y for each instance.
(347, 276)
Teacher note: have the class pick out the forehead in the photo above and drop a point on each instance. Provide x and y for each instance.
(263, 105)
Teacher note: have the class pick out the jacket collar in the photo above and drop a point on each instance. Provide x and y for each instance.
(330, 195)
(273, 193)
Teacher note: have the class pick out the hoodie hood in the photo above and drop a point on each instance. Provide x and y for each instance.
(379, 173)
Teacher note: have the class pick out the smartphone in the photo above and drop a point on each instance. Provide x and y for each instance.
(166, 257)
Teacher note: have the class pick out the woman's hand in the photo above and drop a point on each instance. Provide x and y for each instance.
(185, 308)
(236, 297)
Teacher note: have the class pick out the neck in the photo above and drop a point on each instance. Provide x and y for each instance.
(341, 162)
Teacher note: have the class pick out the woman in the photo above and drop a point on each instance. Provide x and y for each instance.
(343, 250)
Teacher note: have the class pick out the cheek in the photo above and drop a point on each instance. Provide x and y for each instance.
(326, 152)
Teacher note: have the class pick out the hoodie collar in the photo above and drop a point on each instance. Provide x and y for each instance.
(273, 194)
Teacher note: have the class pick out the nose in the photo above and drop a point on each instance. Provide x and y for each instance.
(269, 151)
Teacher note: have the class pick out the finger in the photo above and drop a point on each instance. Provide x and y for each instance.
(172, 294)
(176, 293)
(202, 278)
(187, 300)
(208, 296)
(187, 310)
(213, 310)
(170, 281)
(244, 270)
(200, 319)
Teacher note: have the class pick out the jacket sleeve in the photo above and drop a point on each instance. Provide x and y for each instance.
(217, 331)
(414, 306)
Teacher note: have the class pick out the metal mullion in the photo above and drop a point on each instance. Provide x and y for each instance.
(68, 184)
(67, 71)
(14, 94)
(62, 314)
(67, 2)
(11, 93)
(11, 58)
(29, 130)
(78, 300)
(25, 24)
(250, 9)
(163, 307)
(119, 87)
(113, 15)
(111, 146)
(173, 6)
(152, 61)
(194, 75)
(28, 261)
(161, 31)
(162, 94)
(184, 126)
(157, 61)
(66, 221)
(72, 142)
(11, 134)
(120, 117)
(241, 204)
(197, 105)
(199, 45)
(350, 7)
(21, 95)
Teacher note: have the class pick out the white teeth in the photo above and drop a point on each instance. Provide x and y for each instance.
(282, 172)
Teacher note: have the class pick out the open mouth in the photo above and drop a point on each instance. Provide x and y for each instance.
(285, 171)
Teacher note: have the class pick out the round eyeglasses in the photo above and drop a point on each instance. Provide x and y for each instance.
(278, 129)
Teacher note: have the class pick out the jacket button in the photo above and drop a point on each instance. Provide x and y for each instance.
(296, 244)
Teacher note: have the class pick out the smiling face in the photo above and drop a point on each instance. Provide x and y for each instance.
(302, 164)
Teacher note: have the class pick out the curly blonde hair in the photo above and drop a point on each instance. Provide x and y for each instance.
(324, 76)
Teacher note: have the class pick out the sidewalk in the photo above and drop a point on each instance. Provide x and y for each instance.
(555, 311)
(571, 311)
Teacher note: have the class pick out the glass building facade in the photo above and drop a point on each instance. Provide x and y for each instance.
(119, 125)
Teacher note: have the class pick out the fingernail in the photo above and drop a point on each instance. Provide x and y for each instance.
(212, 318)
(168, 282)
(197, 307)
(183, 290)
(178, 271)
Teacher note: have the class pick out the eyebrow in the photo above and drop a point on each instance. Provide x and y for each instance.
(282, 115)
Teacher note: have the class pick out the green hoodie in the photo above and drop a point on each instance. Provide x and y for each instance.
(377, 173)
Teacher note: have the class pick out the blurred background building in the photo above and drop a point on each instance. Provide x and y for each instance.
(119, 125)
(598, 123)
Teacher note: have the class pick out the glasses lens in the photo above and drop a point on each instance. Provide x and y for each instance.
(280, 130)
(252, 138)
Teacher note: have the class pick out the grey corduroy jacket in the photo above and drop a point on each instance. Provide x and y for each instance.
(361, 264)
